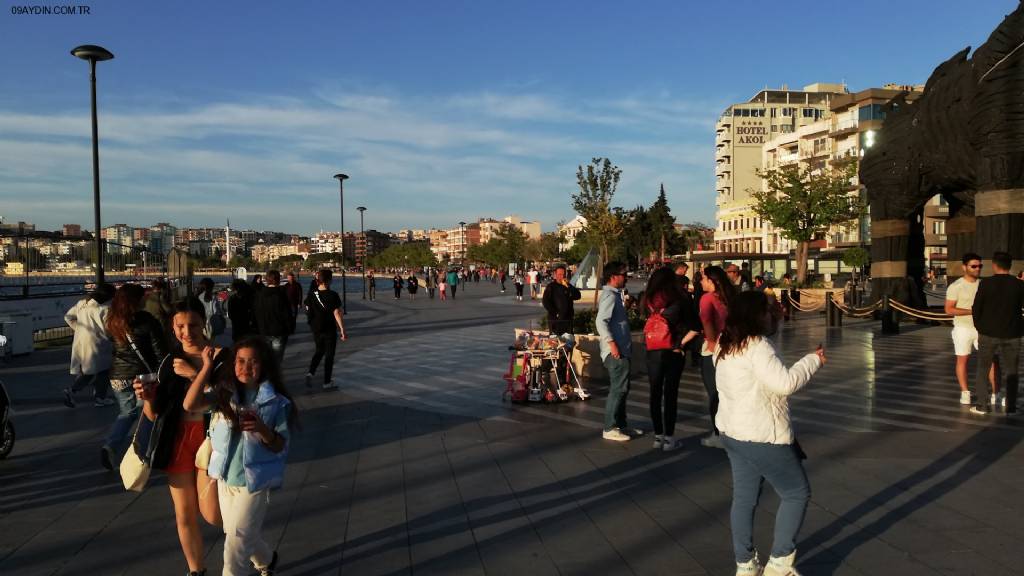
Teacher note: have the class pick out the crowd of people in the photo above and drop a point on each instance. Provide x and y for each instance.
(215, 419)
(220, 417)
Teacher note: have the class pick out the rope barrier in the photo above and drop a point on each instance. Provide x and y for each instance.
(922, 314)
(797, 305)
(857, 312)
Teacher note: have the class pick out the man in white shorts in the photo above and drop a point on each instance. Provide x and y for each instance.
(959, 301)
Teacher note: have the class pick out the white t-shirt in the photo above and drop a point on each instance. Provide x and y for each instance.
(532, 275)
(963, 292)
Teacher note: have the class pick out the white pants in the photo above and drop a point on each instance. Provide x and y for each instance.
(243, 515)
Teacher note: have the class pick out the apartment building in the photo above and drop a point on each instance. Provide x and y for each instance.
(569, 230)
(740, 134)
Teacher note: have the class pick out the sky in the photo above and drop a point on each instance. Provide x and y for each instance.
(438, 111)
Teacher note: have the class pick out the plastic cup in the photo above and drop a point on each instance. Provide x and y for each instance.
(149, 381)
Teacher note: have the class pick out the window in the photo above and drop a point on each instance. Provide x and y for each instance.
(745, 112)
(775, 128)
(788, 111)
(870, 112)
(775, 112)
(808, 112)
(785, 128)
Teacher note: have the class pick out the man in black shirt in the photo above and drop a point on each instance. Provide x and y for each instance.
(558, 298)
(326, 321)
(997, 317)
(273, 314)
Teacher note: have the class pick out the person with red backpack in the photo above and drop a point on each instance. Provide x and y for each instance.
(671, 324)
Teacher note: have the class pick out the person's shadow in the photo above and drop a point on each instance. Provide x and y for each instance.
(971, 457)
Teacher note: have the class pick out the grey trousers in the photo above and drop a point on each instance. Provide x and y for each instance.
(1008, 351)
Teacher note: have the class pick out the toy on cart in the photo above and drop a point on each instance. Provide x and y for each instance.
(540, 369)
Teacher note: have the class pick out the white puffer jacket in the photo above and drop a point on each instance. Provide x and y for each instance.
(91, 350)
(754, 388)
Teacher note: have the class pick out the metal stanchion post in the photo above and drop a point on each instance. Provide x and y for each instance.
(890, 324)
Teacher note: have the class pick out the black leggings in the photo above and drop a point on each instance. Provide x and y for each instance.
(326, 344)
(707, 372)
(665, 368)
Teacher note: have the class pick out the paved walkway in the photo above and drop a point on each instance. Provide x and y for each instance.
(416, 466)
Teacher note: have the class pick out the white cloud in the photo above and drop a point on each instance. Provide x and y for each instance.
(413, 162)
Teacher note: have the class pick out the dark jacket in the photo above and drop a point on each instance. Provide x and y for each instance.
(997, 307)
(148, 335)
(558, 302)
(170, 395)
(273, 312)
(241, 315)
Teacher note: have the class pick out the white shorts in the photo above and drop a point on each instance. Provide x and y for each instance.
(964, 338)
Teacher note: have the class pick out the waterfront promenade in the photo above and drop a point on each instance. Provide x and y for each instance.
(416, 466)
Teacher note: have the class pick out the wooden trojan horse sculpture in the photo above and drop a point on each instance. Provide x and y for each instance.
(964, 139)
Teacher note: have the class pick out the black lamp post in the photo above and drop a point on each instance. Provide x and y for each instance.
(341, 196)
(462, 228)
(362, 234)
(95, 54)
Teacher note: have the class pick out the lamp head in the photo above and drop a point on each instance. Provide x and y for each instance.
(361, 208)
(341, 176)
(462, 223)
(92, 53)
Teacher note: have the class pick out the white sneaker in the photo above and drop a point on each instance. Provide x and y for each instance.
(632, 432)
(750, 568)
(614, 434)
(658, 442)
(669, 444)
(781, 566)
(998, 400)
(330, 385)
(712, 441)
(965, 397)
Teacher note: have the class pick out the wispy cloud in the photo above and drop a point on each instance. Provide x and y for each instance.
(414, 162)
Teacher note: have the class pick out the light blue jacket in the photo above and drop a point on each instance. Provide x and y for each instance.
(612, 323)
(263, 468)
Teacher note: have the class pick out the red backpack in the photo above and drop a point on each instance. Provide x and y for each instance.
(657, 334)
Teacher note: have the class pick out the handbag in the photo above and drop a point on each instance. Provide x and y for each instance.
(134, 468)
(206, 448)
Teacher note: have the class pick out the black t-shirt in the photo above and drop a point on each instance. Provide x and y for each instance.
(322, 304)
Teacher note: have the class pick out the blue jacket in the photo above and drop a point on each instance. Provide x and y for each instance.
(612, 323)
(263, 468)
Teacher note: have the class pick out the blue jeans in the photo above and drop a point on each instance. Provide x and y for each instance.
(618, 390)
(128, 406)
(753, 462)
(708, 375)
(100, 383)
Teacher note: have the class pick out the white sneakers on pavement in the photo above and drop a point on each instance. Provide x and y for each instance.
(669, 444)
(658, 442)
(616, 435)
(781, 566)
(751, 567)
(965, 397)
(712, 441)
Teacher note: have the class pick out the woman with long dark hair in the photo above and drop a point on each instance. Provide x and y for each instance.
(180, 432)
(753, 418)
(250, 439)
(213, 309)
(139, 347)
(666, 309)
(718, 292)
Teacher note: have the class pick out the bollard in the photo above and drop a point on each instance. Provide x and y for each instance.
(833, 315)
(890, 324)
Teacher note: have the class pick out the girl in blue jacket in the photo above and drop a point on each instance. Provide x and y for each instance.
(249, 438)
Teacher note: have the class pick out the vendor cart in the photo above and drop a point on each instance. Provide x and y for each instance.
(540, 369)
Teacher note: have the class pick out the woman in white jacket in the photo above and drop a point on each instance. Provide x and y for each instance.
(754, 388)
(91, 350)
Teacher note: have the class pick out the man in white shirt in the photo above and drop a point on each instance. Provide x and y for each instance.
(959, 301)
(533, 278)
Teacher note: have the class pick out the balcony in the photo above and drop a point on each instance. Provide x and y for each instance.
(936, 211)
(844, 128)
(934, 239)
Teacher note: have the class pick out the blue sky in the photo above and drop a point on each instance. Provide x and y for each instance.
(439, 111)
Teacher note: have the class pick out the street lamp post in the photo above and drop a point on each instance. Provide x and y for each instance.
(362, 234)
(95, 54)
(462, 233)
(341, 197)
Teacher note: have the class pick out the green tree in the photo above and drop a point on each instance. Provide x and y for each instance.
(286, 263)
(407, 255)
(597, 184)
(856, 258)
(323, 260)
(545, 248)
(662, 225)
(803, 202)
(637, 239)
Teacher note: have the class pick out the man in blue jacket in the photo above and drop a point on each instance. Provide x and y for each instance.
(616, 349)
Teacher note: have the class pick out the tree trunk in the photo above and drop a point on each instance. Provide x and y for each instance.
(801, 262)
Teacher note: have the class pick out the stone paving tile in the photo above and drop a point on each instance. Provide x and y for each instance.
(417, 467)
